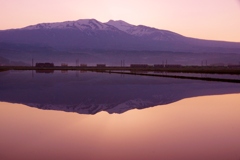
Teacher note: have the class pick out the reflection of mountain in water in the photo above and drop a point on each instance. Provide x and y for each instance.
(89, 93)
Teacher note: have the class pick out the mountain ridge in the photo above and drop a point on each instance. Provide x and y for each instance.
(48, 40)
(119, 25)
(60, 25)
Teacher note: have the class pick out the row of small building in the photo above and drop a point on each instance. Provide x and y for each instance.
(104, 65)
(131, 65)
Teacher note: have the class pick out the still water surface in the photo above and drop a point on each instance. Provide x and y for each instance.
(195, 119)
(90, 93)
(202, 128)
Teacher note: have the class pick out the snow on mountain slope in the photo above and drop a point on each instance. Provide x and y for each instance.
(92, 24)
(121, 25)
(132, 29)
(82, 24)
(142, 30)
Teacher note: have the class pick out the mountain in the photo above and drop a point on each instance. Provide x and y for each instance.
(94, 42)
(112, 35)
(111, 26)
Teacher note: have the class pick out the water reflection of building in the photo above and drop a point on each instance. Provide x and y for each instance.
(64, 71)
(45, 71)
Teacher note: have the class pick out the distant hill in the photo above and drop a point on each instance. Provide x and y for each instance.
(7, 62)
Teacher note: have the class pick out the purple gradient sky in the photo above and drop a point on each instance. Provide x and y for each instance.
(214, 19)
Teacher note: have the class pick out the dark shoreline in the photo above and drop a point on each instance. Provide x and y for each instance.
(182, 69)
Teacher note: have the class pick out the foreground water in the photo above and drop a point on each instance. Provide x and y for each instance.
(200, 128)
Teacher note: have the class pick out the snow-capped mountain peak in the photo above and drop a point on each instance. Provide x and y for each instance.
(94, 25)
(90, 24)
(139, 30)
(82, 24)
(121, 25)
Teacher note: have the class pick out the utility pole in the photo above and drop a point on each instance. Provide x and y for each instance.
(77, 62)
(32, 69)
(122, 63)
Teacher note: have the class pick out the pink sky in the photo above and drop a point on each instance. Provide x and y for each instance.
(206, 19)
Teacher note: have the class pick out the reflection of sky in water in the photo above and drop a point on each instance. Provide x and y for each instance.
(89, 93)
(197, 128)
